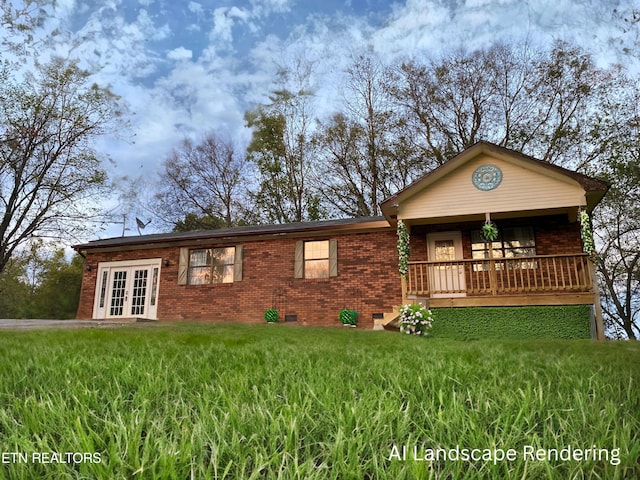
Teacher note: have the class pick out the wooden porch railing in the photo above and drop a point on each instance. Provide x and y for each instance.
(500, 276)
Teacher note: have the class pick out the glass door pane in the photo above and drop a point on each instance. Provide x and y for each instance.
(118, 293)
(139, 292)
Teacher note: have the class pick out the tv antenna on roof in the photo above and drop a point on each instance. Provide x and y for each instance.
(124, 223)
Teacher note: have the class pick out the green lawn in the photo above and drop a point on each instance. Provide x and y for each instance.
(275, 401)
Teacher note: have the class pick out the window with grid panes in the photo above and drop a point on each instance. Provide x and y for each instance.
(211, 265)
(512, 242)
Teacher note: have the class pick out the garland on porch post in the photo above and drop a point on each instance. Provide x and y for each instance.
(586, 233)
(403, 249)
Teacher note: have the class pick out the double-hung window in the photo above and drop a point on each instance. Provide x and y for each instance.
(316, 259)
(210, 265)
(512, 242)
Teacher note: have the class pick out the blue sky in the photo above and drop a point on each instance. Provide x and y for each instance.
(186, 67)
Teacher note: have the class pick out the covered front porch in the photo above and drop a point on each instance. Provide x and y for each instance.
(533, 260)
(494, 227)
(534, 280)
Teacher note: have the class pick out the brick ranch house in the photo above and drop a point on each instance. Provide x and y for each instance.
(311, 271)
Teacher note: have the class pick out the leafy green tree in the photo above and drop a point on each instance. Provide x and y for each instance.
(193, 222)
(283, 150)
(40, 283)
(49, 170)
(57, 292)
(14, 292)
(19, 20)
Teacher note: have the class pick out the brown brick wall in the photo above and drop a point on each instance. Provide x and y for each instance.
(367, 279)
(367, 282)
(556, 236)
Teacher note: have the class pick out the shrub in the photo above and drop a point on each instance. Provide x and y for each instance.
(348, 317)
(415, 319)
(271, 315)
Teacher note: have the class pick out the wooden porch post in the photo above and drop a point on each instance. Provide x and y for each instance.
(404, 290)
(493, 277)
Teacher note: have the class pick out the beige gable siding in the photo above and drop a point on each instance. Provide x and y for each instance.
(521, 189)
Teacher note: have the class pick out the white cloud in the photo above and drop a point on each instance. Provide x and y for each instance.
(148, 29)
(418, 24)
(264, 8)
(434, 27)
(217, 62)
(65, 7)
(195, 7)
(222, 25)
(224, 19)
(239, 13)
(118, 48)
(202, 96)
(180, 53)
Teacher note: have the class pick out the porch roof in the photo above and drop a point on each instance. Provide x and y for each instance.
(569, 189)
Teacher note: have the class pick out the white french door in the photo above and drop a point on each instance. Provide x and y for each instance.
(127, 289)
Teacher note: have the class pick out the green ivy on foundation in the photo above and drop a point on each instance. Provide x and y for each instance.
(475, 323)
